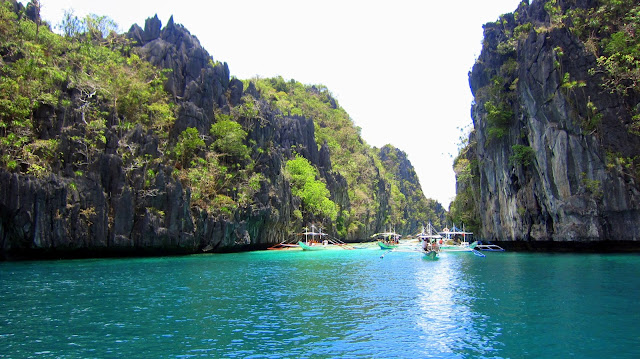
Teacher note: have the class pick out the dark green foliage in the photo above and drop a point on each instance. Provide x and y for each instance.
(612, 32)
(522, 155)
(521, 31)
(592, 186)
(229, 140)
(499, 118)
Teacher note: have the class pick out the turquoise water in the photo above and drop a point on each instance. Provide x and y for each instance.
(349, 304)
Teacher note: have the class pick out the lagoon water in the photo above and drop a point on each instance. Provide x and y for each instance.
(326, 304)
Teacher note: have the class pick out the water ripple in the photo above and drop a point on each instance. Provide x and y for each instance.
(301, 305)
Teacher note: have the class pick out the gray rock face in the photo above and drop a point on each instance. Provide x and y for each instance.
(112, 207)
(570, 192)
(109, 211)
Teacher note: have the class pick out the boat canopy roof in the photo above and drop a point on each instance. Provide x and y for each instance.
(453, 231)
(314, 234)
(428, 233)
(386, 234)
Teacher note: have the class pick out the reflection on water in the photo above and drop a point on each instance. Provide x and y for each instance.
(449, 320)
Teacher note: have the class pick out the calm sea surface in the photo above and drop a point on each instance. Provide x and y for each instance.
(347, 304)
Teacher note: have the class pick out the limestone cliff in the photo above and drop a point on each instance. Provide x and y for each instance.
(418, 210)
(552, 159)
(94, 164)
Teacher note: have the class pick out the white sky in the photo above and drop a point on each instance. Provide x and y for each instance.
(399, 68)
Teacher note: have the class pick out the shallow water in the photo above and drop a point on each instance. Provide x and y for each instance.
(294, 304)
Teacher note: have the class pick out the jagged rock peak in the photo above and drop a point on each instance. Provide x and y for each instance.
(152, 27)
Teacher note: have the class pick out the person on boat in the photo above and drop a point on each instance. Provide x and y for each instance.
(426, 245)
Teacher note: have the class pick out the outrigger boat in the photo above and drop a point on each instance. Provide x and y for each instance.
(427, 252)
(427, 246)
(284, 245)
(388, 240)
(431, 254)
(287, 244)
(316, 241)
(430, 234)
(447, 243)
(429, 242)
(291, 243)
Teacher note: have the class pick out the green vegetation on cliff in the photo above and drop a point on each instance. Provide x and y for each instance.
(95, 75)
(556, 121)
(611, 32)
(172, 156)
(465, 206)
(313, 192)
(406, 194)
(351, 157)
(89, 77)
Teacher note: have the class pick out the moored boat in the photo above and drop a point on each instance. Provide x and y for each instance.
(315, 241)
(455, 240)
(284, 245)
(311, 247)
(456, 247)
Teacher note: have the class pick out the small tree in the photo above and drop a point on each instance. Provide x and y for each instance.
(230, 139)
(189, 143)
(93, 26)
(522, 155)
(70, 24)
(314, 193)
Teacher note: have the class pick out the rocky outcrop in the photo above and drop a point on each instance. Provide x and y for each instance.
(543, 172)
(107, 210)
(209, 90)
(112, 205)
(193, 82)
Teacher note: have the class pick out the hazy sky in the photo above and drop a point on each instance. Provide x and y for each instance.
(399, 68)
